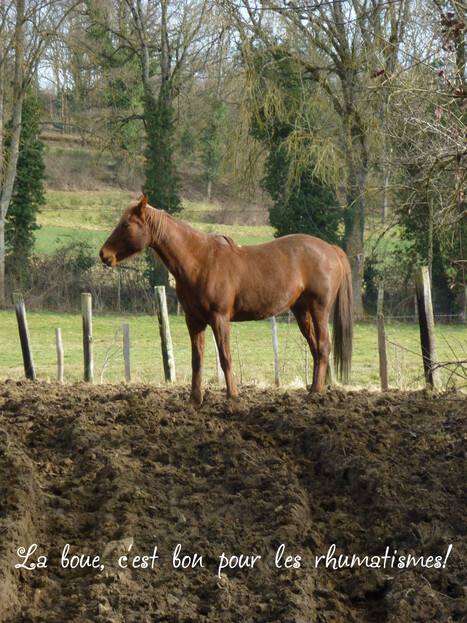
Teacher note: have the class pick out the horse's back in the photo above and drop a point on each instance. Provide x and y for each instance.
(296, 252)
(294, 243)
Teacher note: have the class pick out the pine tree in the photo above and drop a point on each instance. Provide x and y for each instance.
(28, 191)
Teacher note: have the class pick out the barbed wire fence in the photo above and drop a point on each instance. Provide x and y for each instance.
(296, 359)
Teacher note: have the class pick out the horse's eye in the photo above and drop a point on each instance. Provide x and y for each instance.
(126, 224)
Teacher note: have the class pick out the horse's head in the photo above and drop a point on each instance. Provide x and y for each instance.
(130, 237)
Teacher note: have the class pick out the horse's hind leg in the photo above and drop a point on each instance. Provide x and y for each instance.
(197, 333)
(320, 315)
(305, 323)
(221, 328)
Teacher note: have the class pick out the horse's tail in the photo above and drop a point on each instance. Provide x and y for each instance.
(342, 334)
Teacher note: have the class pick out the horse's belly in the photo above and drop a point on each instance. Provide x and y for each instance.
(260, 306)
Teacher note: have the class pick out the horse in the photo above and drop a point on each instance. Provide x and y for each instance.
(219, 281)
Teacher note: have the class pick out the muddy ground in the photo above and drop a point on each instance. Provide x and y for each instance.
(103, 468)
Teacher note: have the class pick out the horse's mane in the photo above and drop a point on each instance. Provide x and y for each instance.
(157, 223)
(157, 220)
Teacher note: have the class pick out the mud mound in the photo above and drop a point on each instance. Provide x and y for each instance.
(290, 489)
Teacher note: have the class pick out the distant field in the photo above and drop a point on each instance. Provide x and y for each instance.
(50, 238)
(91, 215)
(251, 350)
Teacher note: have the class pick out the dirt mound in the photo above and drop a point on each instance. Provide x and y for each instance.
(291, 489)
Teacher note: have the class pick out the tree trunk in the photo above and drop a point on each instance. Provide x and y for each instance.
(430, 237)
(354, 250)
(2, 263)
(354, 219)
(387, 172)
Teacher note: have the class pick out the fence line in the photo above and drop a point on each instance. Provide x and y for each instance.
(389, 317)
(456, 368)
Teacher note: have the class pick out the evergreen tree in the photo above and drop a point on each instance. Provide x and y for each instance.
(308, 208)
(28, 191)
(161, 180)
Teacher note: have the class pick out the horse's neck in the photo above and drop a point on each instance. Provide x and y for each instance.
(178, 245)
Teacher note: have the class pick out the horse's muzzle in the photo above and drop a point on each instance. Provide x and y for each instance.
(107, 258)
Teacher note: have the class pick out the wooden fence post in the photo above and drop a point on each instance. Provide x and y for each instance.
(126, 351)
(24, 336)
(164, 330)
(383, 357)
(58, 343)
(86, 313)
(427, 326)
(275, 348)
(379, 308)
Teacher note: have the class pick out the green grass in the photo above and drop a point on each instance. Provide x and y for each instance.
(251, 350)
(50, 238)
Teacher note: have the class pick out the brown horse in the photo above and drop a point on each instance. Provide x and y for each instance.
(218, 281)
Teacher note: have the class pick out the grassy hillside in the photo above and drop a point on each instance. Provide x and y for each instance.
(88, 189)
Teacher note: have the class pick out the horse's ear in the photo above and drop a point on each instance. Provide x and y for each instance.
(142, 204)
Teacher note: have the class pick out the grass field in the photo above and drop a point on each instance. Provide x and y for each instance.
(251, 350)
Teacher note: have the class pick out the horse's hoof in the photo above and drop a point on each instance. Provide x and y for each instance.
(195, 401)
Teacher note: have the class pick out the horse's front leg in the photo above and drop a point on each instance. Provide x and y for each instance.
(221, 328)
(197, 332)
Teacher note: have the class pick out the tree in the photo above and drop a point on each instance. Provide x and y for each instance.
(302, 202)
(28, 190)
(9, 151)
(116, 122)
(310, 208)
(161, 184)
(175, 34)
(26, 28)
(341, 46)
(212, 143)
(428, 126)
